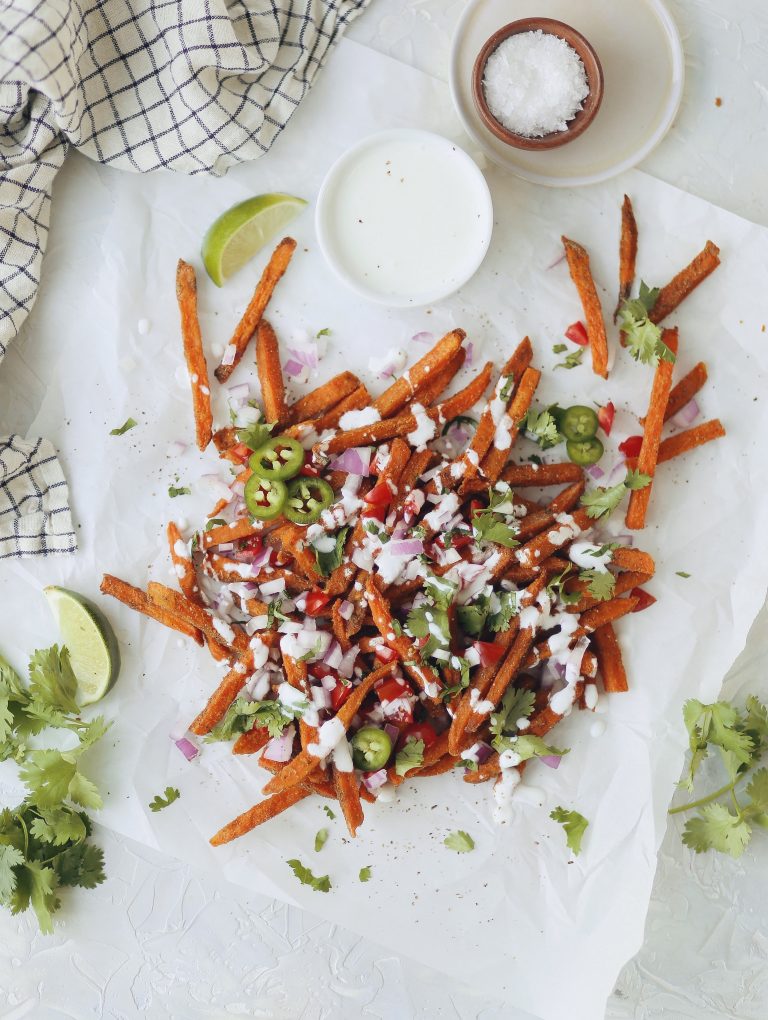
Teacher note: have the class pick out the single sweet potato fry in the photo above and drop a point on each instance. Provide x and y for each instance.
(654, 421)
(245, 329)
(262, 812)
(186, 295)
(252, 741)
(687, 280)
(581, 274)
(684, 391)
(218, 703)
(270, 373)
(522, 475)
(627, 253)
(682, 442)
(348, 794)
(231, 638)
(609, 660)
(323, 398)
(185, 571)
(222, 533)
(497, 456)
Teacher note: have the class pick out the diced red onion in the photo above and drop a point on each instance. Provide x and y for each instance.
(687, 415)
(293, 368)
(355, 461)
(306, 356)
(552, 761)
(392, 731)
(557, 261)
(346, 609)
(408, 547)
(240, 391)
(334, 655)
(225, 547)
(616, 472)
(346, 667)
(273, 587)
(187, 748)
(261, 559)
(483, 752)
(401, 530)
(595, 472)
(321, 698)
(228, 357)
(424, 337)
(215, 488)
(626, 539)
(469, 356)
(374, 780)
(279, 748)
(329, 683)
(176, 449)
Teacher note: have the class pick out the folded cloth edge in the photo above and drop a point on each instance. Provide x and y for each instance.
(35, 519)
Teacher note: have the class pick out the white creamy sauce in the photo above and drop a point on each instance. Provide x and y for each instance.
(356, 419)
(481, 707)
(503, 789)
(583, 555)
(425, 428)
(409, 217)
(328, 736)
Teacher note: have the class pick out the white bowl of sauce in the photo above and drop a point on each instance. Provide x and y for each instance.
(404, 218)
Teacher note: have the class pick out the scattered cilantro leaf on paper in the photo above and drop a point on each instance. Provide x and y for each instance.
(365, 874)
(459, 841)
(572, 360)
(305, 876)
(329, 812)
(575, 826)
(129, 423)
(179, 490)
(158, 802)
(682, 573)
(321, 838)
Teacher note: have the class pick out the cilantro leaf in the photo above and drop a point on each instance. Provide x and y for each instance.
(541, 426)
(58, 826)
(643, 337)
(574, 824)
(472, 616)
(274, 612)
(179, 490)
(305, 876)
(601, 502)
(51, 680)
(508, 607)
(410, 757)
(757, 790)
(527, 746)
(323, 332)
(243, 715)
(365, 874)
(717, 828)
(559, 348)
(52, 776)
(601, 584)
(426, 621)
(256, 435)
(572, 360)
(328, 561)
(328, 811)
(440, 590)
(129, 423)
(10, 858)
(321, 838)
(505, 386)
(158, 802)
(34, 887)
(492, 523)
(81, 864)
(459, 841)
(635, 480)
(516, 704)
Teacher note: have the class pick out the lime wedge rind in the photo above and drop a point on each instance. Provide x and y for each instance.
(242, 231)
(93, 648)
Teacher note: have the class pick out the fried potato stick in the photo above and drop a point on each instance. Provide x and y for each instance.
(581, 274)
(260, 813)
(609, 660)
(323, 398)
(627, 253)
(270, 374)
(409, 384)
(137, 599)
(687, 280)
(186, 295)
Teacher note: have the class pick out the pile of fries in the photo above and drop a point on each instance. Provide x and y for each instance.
(432, 614)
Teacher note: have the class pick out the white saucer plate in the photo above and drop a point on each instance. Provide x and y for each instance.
(640, 50)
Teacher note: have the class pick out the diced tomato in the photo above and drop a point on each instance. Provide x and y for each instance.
(476, 504)
(339, 695)
(252, 544)
(631, 446)
(605, 416)
(385, 654)
(377, 513)
(645, 599)
(418, 731)
(380, 495)
(316, 602)
(577, 334)
(489, 652)
(461, 541)
(393, 688)
(240, 452)
(309, 470)
(319, 670)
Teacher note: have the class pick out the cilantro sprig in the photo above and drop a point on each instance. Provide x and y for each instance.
(600, 502)
(459, 841)
(44, 840)
(496, 522)
(327, 562)
(159, 802)
(643, 337)
(541, 426)
(243, 715)
(410, 757)
(726, 818)
(574, 824)
(305, 876)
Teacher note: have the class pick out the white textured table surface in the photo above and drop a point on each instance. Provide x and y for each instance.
(157, 940)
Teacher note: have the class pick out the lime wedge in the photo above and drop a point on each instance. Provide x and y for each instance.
(235, 237)
(92, 644)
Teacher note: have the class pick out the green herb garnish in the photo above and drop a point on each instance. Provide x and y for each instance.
(574, 824)
(129, 423)
(158, 803)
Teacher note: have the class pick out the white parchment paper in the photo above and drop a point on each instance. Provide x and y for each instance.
(517, 917)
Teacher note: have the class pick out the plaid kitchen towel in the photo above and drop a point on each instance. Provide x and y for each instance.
(187, 85)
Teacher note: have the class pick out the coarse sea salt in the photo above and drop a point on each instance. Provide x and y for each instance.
(534, 83)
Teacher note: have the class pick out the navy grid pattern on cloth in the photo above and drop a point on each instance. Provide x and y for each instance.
(34, 507)
(187, 85)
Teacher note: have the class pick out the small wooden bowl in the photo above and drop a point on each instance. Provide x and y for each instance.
(592, 66)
